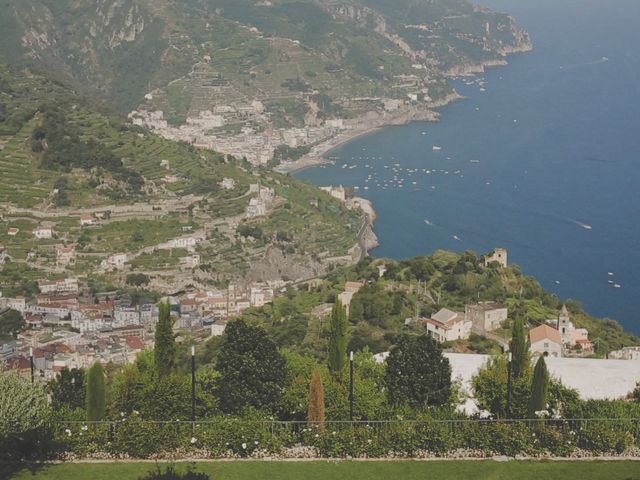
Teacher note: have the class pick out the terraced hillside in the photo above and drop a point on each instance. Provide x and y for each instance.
(251, 77)
(105, 186)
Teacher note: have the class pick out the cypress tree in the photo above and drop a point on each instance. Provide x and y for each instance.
(519, 349)
(338, 339)
(539, 388)
(315, 410)
(165, 347)
(95, 397)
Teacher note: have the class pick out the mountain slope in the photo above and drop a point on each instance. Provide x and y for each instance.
(64, 157)
(123, 47)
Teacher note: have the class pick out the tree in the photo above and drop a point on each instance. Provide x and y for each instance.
(252, 370)
(315, 411)
(24, 413)
(519, 350)
(95, 396)
(11, 324)
(165, 345)
(68, 389)
(418, 375)
(338, 339)
(539, 388)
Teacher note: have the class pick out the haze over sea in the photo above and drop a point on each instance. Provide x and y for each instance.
(545, 161)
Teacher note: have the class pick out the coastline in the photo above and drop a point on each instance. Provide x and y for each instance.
(317, 156)
(318, 153)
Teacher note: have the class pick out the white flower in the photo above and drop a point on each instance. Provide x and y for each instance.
(333, 433)
(244, 446)
(136, 412)
(193, 440)
(316, 435)
(256, 442)
(85, 428)
(369, 441)
(122, 414)
(68, 432)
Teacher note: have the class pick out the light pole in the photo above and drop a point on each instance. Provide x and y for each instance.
(508, 406)
(351, 386)
(193, 383)
(31, 362)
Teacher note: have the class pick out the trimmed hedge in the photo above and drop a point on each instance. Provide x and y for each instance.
(232, 437)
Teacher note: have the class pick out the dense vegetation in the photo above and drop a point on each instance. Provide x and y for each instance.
(422, 285)
(405, 407)
(122, 50)
(65, 151)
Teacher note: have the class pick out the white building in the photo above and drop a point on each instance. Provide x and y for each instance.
(256, 208)
(123, 316)
(545, 340)
(448, 326)
(116, 261)
(87, 221)
(66, 285)
(43, 233)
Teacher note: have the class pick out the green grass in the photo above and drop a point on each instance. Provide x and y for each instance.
(405, 470)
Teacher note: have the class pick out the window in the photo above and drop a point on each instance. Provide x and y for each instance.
(546, 344)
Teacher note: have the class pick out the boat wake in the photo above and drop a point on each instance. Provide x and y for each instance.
(586, 226)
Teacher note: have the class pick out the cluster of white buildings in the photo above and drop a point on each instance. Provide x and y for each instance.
(261, 201)
(449, 326)
(68, 328)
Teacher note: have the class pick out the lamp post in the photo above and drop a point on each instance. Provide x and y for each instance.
(508, 406)
(193, 383)
(351, 386)
(31, 363)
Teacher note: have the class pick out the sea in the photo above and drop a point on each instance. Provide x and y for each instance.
(542, 158)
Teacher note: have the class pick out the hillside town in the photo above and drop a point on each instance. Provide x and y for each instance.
(68, 327)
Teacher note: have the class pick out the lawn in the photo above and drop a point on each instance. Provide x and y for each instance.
(402, 470)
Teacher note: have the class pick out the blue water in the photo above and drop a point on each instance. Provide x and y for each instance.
(555, 139)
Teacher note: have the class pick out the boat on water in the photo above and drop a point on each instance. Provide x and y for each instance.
(436, 148)
(428, 222)
(617, 285)
(474, 161)
(455, 237)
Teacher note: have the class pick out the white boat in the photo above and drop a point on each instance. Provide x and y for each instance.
(617, 285)
(455, 237)
(610, 274)
(436, 148)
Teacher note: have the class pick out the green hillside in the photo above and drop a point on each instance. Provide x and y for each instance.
(343, 48)
(64, 156)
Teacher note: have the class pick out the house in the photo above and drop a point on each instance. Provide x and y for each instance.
(256, 208)
(66, 256)
(12, 232)
(134, 343)
(448, 326)
(217, 328)
(499, 255)
(87, 221)
(627, 353)
(43, 233)
(260, 295)
(486, 316)
(65, 285)
(545, 340)
(116, 261)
